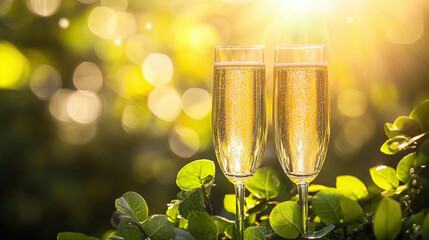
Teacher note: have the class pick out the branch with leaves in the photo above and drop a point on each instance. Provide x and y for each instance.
(396, 207)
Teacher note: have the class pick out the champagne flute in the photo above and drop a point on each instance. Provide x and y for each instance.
(239, 118)
(301, 114)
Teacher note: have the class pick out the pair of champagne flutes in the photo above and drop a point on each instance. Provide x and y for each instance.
(301, 115)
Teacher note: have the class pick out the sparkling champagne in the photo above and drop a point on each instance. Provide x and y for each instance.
(239, 118)
(301, 118)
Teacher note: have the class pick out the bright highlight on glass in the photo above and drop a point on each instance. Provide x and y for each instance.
(301, 114)
(239, 118)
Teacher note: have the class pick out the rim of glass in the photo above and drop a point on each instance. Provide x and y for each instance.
(240, 46)
(299, 46)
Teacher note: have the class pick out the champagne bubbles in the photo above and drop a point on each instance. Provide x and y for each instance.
(43, 8)
(88, 76)
(196, 103)
(184, 142)
(45, 81)
(84, 107)
(165, 103)
(158, 69)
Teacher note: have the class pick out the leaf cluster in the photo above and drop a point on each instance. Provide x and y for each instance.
(395, 207)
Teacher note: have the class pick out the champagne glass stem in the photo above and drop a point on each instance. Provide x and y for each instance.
(239, 207)
(303, 198)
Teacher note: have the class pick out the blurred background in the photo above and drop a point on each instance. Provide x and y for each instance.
(100, 97)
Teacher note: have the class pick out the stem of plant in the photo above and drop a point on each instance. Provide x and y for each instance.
(207, 201)
(239, 209)
(303, 198)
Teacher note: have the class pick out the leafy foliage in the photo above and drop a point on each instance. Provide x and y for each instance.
(396, 207)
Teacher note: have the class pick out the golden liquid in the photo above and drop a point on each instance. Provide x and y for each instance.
(239, 118)
(301, 119)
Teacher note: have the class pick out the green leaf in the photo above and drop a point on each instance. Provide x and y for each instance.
(326, 205)
(351, 209)
(173, 211)
(421, 114)
(129, 229)
(194, 201)
(201, 226)
(158, 227)
(384, 177)
(407, 126)
(394, 145)
(229, 203)
(318, 234)
(74, 236)
(268, 182)
(222, 223)
(315, 188)
(255, 233)
(181, 234)
(425, 228)
(391, 130)
(194, 174)
(351, 187)
(404, 166)
(286, 219)
(133, 205)
(387, 219)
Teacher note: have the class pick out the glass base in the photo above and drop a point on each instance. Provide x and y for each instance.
(302, 178)
(239, 179)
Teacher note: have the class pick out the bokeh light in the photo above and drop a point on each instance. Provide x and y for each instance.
(137, 48)
(58, 104)
(352, 103)
(184, 142)
(88, 76)
(158, 69)
(76, 133)
(12, 66)
(165, 103)
(405, 26)
(5, 6)
(87, 1)
(45, 81)
(98, 21)
(118, 5)
(135, 118)
(196, 103)
(84, 106)
(121, 25)
(64, 23)
(43, 8)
